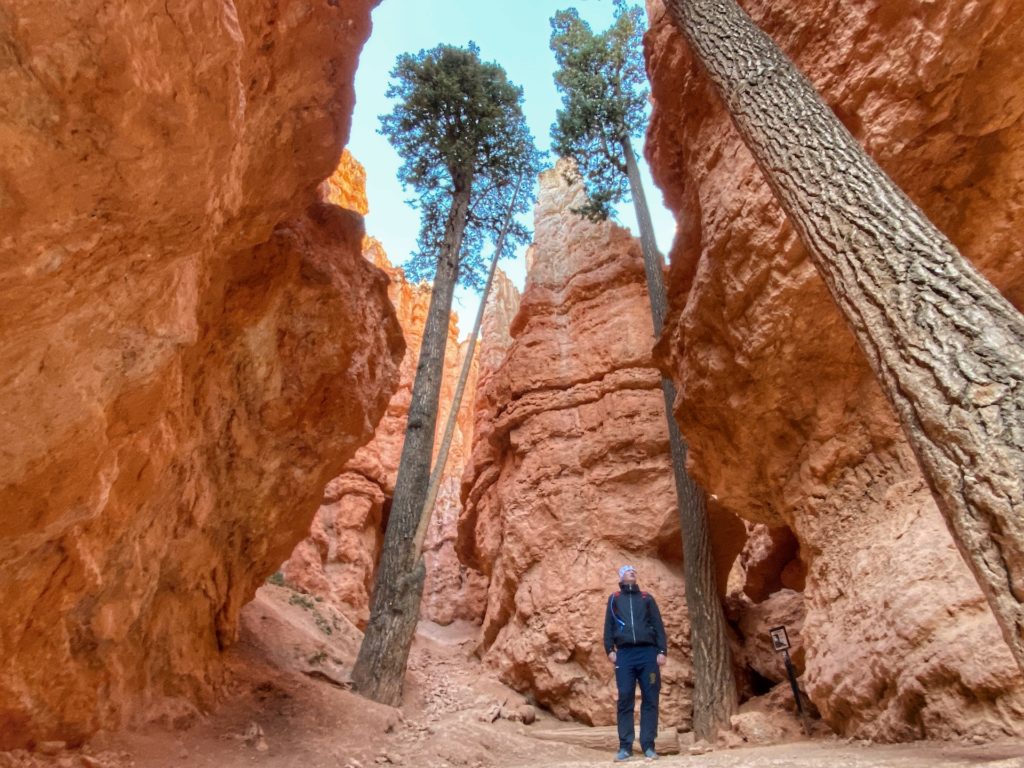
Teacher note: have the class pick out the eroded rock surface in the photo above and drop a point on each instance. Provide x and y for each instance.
(570, 475)
(192, 345)
(786, 423)
(338, 560)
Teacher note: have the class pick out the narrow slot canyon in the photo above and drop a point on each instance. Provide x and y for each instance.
(208, 357)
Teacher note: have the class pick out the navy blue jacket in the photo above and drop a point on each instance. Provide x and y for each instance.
(631, 617)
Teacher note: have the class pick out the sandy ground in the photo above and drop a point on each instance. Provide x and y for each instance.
(287, 706)
(829, 755)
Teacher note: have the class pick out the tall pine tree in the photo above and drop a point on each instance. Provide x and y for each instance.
(602, 80)
(458, 126)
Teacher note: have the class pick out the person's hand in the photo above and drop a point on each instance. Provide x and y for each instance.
(661, 659)
(611, 657)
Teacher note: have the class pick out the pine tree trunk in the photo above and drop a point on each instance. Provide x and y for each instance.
(379, 671)
(946, 347)
(437, 473)
(714, 686)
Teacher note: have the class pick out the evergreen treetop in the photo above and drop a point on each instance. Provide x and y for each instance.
(458, 125)
(603, 84)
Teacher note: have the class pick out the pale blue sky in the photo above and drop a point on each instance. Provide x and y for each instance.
(514, 34)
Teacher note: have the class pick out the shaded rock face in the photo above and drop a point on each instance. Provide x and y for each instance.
(453, 591)
(786, 423)
(770, 560)
(339, 558)
(765, 590)
(192, 345)
(569, 476)
(495, 330)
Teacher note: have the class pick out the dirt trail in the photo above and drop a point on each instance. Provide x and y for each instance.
(286, 706)
(838, 755)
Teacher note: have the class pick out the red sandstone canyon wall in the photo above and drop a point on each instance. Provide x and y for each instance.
(785, 421)
(570, 476)
(339, 558)
(455, 589)
(191, 344)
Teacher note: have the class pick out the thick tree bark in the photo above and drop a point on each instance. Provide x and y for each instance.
(947, 348)
(398, 585)
(714, 686)
(460, 387)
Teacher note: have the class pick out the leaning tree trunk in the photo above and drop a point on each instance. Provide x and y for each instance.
(437, 473)
(947, 348)
(714, 687)
(398, 585)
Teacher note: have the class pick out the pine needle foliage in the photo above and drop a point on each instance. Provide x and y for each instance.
(459, 122)
(603, 84)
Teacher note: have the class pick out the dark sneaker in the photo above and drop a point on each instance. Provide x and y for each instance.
(622, 754)
(650, 754)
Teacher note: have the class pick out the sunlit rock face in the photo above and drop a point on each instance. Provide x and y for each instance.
(570, 475)
(192, 344)
(338, 560)
(346, 188)
(786, 423)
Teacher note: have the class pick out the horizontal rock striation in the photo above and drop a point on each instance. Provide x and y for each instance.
(192, 345)
(786, 424)
(570, 474)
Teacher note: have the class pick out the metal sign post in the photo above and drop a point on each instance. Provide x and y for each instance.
(780, 642)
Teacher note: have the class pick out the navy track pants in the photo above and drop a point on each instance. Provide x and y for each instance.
(637, 664)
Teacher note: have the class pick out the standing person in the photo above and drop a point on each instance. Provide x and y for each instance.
(634, 639)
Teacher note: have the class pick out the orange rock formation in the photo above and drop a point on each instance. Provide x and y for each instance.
(346, 188)
(786, 423)
(339, 559)
(570, 475)
(191, 344)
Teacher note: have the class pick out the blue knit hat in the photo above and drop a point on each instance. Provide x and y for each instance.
(625, 569)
